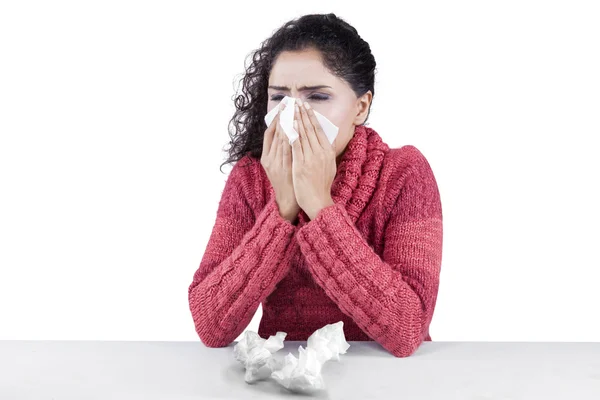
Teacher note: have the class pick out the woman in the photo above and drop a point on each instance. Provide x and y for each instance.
(318, 232)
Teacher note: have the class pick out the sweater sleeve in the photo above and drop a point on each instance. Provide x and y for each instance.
(392, 297)
(241, 265)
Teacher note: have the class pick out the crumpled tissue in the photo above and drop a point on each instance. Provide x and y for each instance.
(255, 353)
(287, 120)
(301, 374)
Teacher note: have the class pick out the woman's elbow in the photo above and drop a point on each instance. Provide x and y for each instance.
(213, 342)
(406, 348)
(408, 340)
(208, 335)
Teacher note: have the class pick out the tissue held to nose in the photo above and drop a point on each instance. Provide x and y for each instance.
(301, 374)
(287, 120)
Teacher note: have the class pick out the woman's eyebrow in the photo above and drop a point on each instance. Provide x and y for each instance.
(302, 89)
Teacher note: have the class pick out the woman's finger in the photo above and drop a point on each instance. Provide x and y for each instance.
(270, 132)
(297, 153)
(268, 137)
(299, 127)
(309, 129)
(277, 151)
(275, 137)
(280, 144)
(287, 151)
(319, 133)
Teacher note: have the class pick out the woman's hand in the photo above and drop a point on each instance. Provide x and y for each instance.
(313, 166)
(276, 159)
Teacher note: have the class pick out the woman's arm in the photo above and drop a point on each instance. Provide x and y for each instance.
(392, 297)
(242, 264)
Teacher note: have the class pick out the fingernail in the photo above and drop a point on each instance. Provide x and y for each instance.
(296, 125)
(307, 106)
(296, 107)
(299, 102)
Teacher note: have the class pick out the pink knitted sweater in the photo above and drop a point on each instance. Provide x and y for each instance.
(371, 260)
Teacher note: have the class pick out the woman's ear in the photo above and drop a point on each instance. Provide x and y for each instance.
(362, 108)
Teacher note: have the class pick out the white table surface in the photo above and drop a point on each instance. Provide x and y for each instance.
(79, 370)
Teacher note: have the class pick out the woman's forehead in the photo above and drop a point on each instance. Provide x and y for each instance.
(300, 69)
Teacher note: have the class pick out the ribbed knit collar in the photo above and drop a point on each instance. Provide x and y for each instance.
(357, 173)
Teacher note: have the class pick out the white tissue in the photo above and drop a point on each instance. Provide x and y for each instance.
(287, 121)
(329, 342)
(255, 353)
(303, 374)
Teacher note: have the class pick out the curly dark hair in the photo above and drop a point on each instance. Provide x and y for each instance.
(345, 54)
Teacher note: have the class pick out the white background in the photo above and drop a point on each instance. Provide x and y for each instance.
(113, 120)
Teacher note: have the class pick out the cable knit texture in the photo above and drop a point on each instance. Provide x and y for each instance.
(371, 260)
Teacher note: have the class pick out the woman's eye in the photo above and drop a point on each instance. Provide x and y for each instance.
(318, 97)
(315, 97)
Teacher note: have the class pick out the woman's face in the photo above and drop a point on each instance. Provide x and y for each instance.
(301, 74)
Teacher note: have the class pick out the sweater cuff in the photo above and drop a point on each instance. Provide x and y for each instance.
(271, 217)
(326, 218)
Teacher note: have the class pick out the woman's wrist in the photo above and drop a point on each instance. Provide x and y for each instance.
(289, 213)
